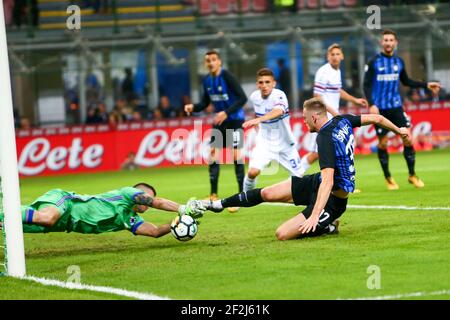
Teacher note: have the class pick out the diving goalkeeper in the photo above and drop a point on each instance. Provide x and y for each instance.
(59, 210)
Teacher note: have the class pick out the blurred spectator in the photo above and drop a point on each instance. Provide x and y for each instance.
(136, 116)
(140, 107)
(97, 114)
(19, 12)
(101, 6)
(128, 85)
(93, 88)
(284, 78)
(157, 114)
(129, 163)
(25, 123)
(34, 8)
(166, 109)
(119, 110)
(26, 10)
(418, 95)
(16, 118)
(115, 118)
(8, 6)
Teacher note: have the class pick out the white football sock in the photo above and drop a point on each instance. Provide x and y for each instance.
(304, 165)
(217, 204)
(249, 184)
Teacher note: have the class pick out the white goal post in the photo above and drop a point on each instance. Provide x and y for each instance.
(8, 165)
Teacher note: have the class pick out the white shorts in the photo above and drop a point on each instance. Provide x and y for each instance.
(309, 142)
(289, 158)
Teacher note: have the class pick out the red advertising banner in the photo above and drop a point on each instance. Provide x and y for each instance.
(183, 142)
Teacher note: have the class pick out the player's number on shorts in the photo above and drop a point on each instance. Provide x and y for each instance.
(324, 216)
(293, 163)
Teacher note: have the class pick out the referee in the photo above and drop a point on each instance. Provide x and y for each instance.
(383, 75)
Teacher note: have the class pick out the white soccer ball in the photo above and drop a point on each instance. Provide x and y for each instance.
(184, 228)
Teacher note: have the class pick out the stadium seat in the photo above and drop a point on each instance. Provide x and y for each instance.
(223, 6)
(244, 6)
(259, 5)
(332, 4)
(205, 7)
(307, 4)
(350, 3)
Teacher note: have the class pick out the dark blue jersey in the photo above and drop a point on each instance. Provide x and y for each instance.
(382, 79)
(335, 147)
(225, 93)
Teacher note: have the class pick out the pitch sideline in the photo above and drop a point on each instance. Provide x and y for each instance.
(103, 289)
(148, 296)
(404, 295)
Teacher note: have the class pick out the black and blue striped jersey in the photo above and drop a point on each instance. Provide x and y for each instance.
(335, 147)
(382, 78)
(225, 93)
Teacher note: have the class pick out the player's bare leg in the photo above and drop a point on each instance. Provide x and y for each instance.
(410, 157)
(383, 157)
(250, 179)
(279, 192)
(289, 229)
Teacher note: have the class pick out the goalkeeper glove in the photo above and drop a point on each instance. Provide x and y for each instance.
(193, 208)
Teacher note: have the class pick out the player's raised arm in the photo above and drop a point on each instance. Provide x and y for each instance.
(377, 119)
(189, 108)
(275, 113)
(348, 97)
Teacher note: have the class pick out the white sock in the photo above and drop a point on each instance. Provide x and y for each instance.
(249, 184)
(217, 204)
(304, 165)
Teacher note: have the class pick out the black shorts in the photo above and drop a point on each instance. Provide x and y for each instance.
(228, 134)
(397, 116)
(304, 192)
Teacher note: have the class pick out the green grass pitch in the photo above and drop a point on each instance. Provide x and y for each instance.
(236, 256)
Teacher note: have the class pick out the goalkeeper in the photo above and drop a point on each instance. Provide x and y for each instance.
(59, 210)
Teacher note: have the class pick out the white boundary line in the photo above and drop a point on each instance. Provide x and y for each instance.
(371, 207)
(405, 295)
(110, 290)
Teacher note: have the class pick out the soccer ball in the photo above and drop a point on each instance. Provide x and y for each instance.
(184, 228)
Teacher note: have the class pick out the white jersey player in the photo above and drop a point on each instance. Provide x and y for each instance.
(274, 140)
(328, 86)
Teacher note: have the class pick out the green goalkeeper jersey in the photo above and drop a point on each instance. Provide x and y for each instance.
(105, 212)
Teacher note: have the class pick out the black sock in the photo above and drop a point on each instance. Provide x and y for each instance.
(244, 199)
(239, 169)
(214, 176)
(410, 157)
(318, 232)
(383, 156)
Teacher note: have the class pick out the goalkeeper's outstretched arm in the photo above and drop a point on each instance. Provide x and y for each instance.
(193, 208)
(150, 230)
(157, 203)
